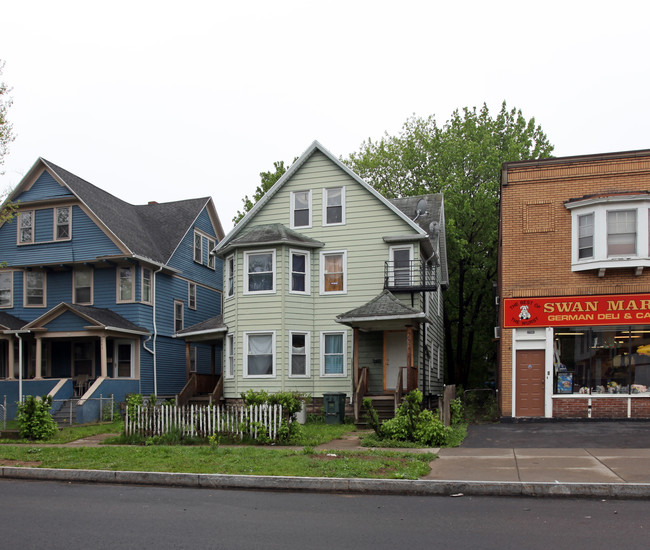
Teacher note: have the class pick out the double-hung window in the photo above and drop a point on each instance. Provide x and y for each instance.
(146, 285)
(211, 259)
(333, 278)
(301, 209)
(299, 351)
(179, 308)
(586, 236)
(83, 285)
(62, 219)
(191, 295)
(299, 276)
(6, 289)
(230, 356)
(230, 276)
(259, 356)
(260, 271)
(334, 206)
(34, 283)
(26, 227)
(198, 247)
(333, 354)
(621, 232)
(125, 284)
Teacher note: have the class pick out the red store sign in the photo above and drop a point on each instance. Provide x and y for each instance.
(575, 311)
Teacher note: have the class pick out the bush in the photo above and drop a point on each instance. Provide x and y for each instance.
(413, 424)
(291, 403)
(34, 418)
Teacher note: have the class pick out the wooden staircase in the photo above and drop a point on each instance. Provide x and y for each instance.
(383, 404)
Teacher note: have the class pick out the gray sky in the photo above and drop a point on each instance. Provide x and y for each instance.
(159, 100)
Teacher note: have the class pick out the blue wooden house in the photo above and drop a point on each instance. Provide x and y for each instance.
(93, 291)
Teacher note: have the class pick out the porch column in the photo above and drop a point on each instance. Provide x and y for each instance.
(39, 358)
(103, 357)
(10, 359)
(212, 359)
(409, 346)
(355, 357)
(187, 359)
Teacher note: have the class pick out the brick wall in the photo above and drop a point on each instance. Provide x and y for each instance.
(535, 238)
(601, 407)
(570, 408)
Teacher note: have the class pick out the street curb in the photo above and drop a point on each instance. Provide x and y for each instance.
(422, 487)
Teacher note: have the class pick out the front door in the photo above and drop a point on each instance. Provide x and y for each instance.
(530, 383)
(123, 359)
(394, 358)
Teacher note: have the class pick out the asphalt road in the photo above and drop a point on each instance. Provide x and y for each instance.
(56, 515)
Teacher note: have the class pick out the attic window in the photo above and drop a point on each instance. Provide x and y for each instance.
(26, 227)
(62, 230)
(198, 248)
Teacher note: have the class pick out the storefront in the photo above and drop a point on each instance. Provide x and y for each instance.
(580, 356)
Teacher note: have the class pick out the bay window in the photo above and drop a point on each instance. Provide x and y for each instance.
(260, 270)
(299, 276)
(259, 356)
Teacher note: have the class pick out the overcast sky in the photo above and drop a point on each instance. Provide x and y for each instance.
(170, 100)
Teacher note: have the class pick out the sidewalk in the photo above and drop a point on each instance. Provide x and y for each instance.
(567, 472)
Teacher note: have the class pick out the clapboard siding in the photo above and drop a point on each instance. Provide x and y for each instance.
(45, 187)
(66, 322)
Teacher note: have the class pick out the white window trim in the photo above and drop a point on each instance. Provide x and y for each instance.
(324, 213)
(182, 317)
(54, 234)
(151, 275)
(307, 255)
(25, 304)
(228, 274)
(307, 335)
(18, 226)
(345, 353)
(599, 206)
(92, 287)
(11, 290)
(191, 285)
(118, 298)
(230, 354)
(194, 248)
(245, 354)
(322, 272)
(292, 208)
(273, 270)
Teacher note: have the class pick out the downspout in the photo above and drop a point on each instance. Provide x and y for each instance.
(20, 363)
(155, 333)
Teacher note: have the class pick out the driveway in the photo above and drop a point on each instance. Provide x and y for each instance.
(618, 434)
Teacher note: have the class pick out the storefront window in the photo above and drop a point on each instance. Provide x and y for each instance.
(614, 360)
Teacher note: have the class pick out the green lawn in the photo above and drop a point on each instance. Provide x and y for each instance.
(230, 460)
(72, 433)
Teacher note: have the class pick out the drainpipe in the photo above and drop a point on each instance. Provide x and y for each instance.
(20, 363)
(155, 333)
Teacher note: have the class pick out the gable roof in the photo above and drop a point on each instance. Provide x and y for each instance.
(315, 146)
(274, 233)
(384, 307)
(9, 322)
(151, 231)
(99, 317)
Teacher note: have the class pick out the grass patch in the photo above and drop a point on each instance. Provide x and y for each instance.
(239, 460)
(315, 432)
(72, 433)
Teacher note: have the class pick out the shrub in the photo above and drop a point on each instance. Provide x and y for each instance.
(291, 403)
(34, 418)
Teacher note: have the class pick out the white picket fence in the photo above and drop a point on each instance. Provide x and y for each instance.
(205, 420)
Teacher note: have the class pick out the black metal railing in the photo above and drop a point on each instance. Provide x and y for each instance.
(410, 276)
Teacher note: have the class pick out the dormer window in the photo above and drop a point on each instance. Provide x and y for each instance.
(610, 231)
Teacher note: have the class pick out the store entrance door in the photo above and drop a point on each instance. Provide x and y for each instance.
(530, 383)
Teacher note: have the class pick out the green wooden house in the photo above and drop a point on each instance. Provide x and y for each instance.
(331, 288)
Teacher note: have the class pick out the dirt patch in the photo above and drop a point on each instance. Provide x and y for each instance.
(20, 463)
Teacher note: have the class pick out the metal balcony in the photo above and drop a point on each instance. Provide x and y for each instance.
(410, 276)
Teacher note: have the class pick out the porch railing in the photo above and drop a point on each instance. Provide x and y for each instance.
(198, 383)
(360, 391)
(410, 375)
(204, 420)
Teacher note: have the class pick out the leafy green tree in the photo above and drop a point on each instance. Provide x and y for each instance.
(268, 179)
(461, 159)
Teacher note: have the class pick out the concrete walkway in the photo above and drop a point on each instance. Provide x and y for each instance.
(592, 472)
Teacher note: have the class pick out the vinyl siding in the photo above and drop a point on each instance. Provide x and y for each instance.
(45, 187)
(367, 221)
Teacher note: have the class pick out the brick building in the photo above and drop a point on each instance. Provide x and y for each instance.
(574, 287)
